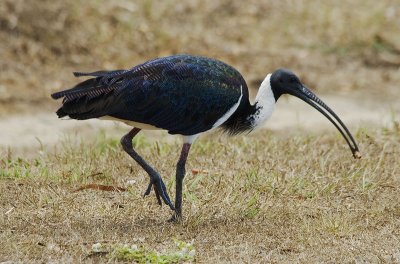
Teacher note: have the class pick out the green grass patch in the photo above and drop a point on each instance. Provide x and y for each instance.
(183, 252)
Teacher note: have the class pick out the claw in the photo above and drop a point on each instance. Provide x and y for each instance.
(160, 190)
(147, 192)
(157, 195)
(174, 219)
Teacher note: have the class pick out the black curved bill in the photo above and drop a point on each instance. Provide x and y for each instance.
(309, 97)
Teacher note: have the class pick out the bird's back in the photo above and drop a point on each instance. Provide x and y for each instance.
(183, 94)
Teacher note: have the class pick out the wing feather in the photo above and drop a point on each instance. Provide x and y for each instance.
(183, 94)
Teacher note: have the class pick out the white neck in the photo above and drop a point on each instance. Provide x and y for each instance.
(264, 103)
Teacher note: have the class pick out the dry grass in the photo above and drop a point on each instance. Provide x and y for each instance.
(265, 198)
(353, 46)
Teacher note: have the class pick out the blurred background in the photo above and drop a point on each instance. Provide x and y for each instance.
(348, 52)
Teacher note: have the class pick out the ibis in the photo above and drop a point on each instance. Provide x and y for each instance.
(185, 95)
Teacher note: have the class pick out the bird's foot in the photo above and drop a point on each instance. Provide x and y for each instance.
(175, 218)
(161, 192)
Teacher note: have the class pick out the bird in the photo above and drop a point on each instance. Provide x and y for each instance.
(185, 95)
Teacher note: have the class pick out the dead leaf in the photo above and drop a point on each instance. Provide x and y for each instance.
(197, 171)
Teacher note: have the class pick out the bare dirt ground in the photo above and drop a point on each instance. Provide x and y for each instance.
(26, 134)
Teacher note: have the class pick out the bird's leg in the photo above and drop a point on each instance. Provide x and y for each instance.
(180, 174)
(155, 178)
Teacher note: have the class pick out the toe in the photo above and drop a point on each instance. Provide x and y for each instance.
(147, 192)
(157, 195)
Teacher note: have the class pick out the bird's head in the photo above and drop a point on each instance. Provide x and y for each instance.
(284, 81)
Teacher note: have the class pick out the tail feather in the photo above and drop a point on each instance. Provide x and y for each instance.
(61, 113)
(103, 79)
(78, 89)
(91, 98)
(86, 107)
(99, 73)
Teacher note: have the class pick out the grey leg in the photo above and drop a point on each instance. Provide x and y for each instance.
(155, 178)
(180, 175)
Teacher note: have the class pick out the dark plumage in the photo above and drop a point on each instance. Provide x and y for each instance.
(172, 93)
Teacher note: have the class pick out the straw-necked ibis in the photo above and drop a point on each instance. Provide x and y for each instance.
(185, 95)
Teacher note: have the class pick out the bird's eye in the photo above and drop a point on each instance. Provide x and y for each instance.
(292, 79)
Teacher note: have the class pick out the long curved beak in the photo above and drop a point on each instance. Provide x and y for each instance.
(309, 97)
